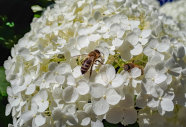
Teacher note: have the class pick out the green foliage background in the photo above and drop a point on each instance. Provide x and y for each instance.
(15, 19)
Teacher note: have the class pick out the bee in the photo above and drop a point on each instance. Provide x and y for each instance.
(129, 66)
(90, 61)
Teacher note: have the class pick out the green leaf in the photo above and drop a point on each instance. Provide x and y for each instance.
(1, 38)
(3, 82)
(37, 15)
(10, 24)
(5, 120)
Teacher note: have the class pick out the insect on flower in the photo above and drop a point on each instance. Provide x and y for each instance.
(91, 59)
(129, 66)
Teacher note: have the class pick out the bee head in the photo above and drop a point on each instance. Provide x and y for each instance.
(126, 67)
(97, 51)
(98, 54)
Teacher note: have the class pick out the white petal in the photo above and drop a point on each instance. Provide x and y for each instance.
(110, 73)
(107, 73)
(89, 30)
(94, 37)
(160, 78)
(71, 80)
(148, 51)
(118, 81)
(141, 101)
(137, 50)
(153, 103)
(8, 63)
(163, 47)
(43, 106)
(120, 33)
(49, 76)
(10, 125)
(40, 120)
(98, 123)
(63, 68)
(26, 116)
(126, 77)
(14, 111)
(100, 107)
(76, 71)
(134, 24)
(43, 94)
(88, 108)
(117, 42)
(112, 97)
(70, 94)
(83, 118)
(74, 52)
(143, 41)
(97, 90)
(133, 38)
(85, 121)
(135, 82)
(52, 66)
(15, 102)
(169, 95)
(114, 28)
(98, 79)
(60, 79)
(154, 60)
(72, 120)
(9, 91)
(175, 71)
(23, 51)
(114, 115)
(30, 89)
(128, 102)
(124, 49)
(153, 43)
(181, 52)
(130, 116)
(106, 35)
(57, 93)
(83, 41)
(167, 105)
(135, 72)
(150, 73)
(145, 33)
(8, 109)
(83, 87)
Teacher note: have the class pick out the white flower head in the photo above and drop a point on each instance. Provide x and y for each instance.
(47, 87)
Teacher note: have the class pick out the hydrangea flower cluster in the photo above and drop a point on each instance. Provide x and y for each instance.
(176, 10)
(48, 89)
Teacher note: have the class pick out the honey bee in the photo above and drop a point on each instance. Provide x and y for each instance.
(129, 66)
(90, 61)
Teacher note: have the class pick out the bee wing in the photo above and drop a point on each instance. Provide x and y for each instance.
(80, 58)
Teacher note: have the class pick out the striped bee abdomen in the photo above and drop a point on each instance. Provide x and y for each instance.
(86, 65)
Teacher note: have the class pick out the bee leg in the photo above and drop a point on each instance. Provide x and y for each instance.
(79, 55)
(99, 61)
(142, 71)
(90, 71)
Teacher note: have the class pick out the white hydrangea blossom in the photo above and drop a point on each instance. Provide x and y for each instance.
(176, 10)
(48, 89)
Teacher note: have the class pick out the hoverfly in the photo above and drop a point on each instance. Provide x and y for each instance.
(90, 61)
(129, 66)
